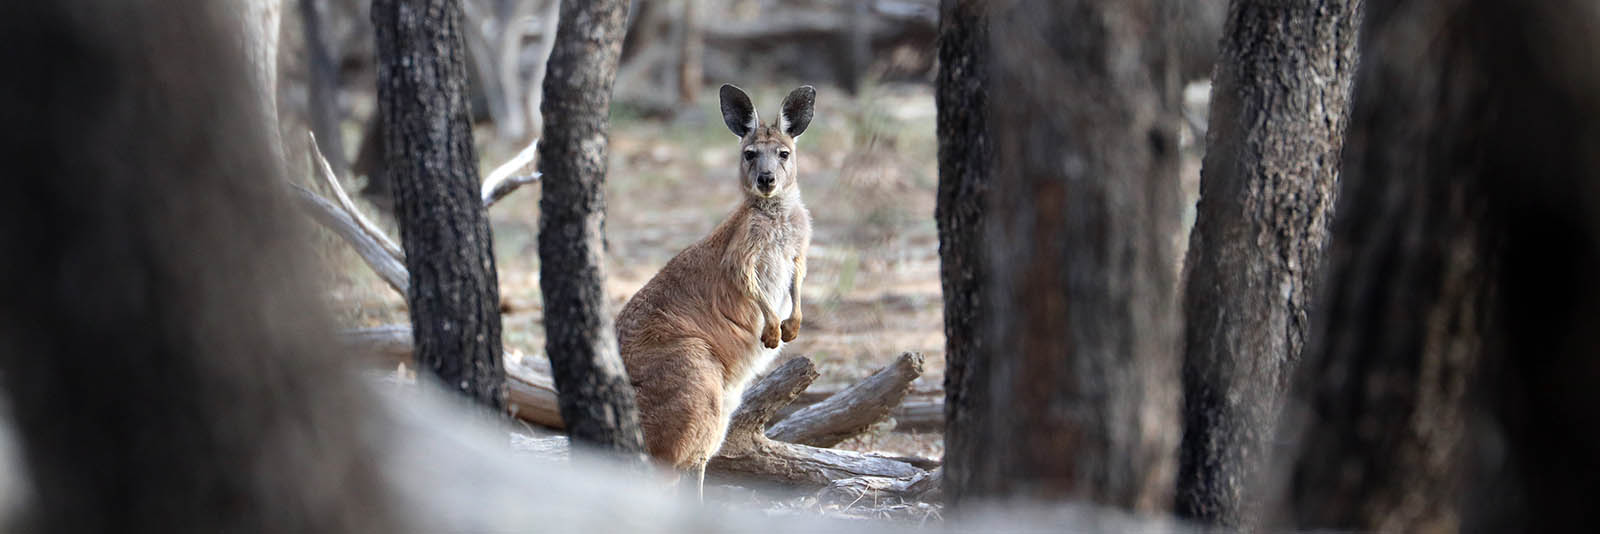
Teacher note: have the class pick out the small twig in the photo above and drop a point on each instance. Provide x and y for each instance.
(502, 182)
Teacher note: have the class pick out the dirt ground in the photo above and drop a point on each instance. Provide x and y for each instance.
(868, 173)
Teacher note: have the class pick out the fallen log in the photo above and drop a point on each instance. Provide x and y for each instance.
(851, 411)
(532, 394)
(921, 411)
(923, 487)
(748, 453)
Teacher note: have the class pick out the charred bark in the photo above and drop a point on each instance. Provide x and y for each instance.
(597, 402)
(1080, 217)
(454, 294)
(965, 164)
(1449, 384)
(1266, 195)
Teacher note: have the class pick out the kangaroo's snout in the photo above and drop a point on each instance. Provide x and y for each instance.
(764, 181)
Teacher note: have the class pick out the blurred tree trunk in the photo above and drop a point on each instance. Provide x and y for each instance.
(1079, 359)
(691, 47)
(1450, 383)
(162, 365)
(454, 295)
(965, 163)
(1266, 196)
(596, 398)
(1199, 36)
(261, 22)
(548, 21)
(322, 88)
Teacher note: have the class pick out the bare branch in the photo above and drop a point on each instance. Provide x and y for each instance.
(386, 265)
(854, 410)
(502, 182)
(366, 225)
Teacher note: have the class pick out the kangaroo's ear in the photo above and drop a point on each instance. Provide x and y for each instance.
(796, 115)
(737, 111)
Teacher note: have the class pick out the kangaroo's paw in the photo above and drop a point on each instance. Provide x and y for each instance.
(770, 335)
(791, 329)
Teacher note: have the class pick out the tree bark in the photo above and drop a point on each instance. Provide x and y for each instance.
(1266, 195)
(597, 401)
(454, 295)
(965, 162)
(1081, 368)
(1449, 384)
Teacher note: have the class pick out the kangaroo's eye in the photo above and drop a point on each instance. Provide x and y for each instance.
(783, 154)
(749, 155)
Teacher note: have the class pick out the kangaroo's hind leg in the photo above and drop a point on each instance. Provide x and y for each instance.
(680, 405)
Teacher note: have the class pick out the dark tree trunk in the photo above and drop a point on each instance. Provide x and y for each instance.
(965, 163)
(322, 88)
(163, 368)
(596, 398)
(454, 295)
(1450, 380)
(1278, 112)
(373, 162)
(1079, 356)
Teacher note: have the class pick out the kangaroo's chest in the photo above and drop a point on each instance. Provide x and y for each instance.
(775, 275)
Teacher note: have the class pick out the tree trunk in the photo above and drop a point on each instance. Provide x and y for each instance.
(1266, 196)
(596, 398)
(965, 162)
(691, 47)
(454, 295)
(1081, 367)
(322, 88)
(161, 361)
(1449, 384)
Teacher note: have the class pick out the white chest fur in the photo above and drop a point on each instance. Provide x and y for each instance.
(775, 274)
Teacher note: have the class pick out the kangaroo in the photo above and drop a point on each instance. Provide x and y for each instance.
(700, 329)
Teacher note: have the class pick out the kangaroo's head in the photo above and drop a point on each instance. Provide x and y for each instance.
(766, 167)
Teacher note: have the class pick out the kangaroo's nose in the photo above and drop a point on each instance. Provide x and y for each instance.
(764, 180)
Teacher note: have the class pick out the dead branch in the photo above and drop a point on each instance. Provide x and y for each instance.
(389, 342)
(530, 392)
(923, 487)
(748, 453)
(920, 415)
(367, 226)
(502, 180)
(389, 268)
(850, 412)
(921, 411)
(375, 247)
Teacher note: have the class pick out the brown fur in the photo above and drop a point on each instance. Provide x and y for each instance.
(709, 321)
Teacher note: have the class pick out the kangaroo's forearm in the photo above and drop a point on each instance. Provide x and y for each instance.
(794, 288)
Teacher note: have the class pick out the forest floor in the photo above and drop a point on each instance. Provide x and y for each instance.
(868, 173)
